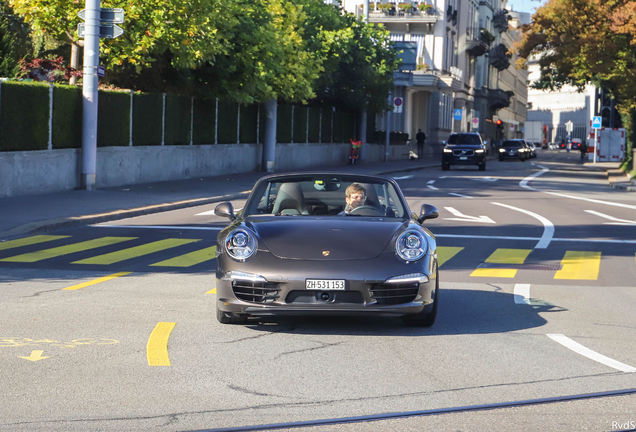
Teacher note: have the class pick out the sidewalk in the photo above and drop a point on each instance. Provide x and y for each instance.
(25, 214)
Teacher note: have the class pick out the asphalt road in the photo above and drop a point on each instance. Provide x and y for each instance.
(112, 326)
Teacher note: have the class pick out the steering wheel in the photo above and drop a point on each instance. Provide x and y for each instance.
(366, 210)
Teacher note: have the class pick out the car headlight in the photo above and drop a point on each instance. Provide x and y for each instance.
(411, 246)
(502, 150)
(479, 151)
(241, 244)
(447, 150)
(522, 150)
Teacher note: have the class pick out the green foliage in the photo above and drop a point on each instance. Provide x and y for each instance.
(228, 122)
(629, 120)
(25, 126)
(204, 121)
(300, 124)
(178, 122)
(67, 117)
(147, 118)
(249, 124)
(113, 127)
(284, 124)
(14, 41)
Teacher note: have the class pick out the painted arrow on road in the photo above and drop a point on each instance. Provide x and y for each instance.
(35, 356)
(612, 218)
(465, 218)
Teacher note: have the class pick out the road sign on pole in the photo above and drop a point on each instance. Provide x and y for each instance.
(596, 125)
(569, 126)
(458, 114)
(475, 123)
(106, 15)
(596, 122)
(106, 31)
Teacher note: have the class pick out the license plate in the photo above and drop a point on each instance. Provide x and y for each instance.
(512, 152)
(325, 284)
(463, 158)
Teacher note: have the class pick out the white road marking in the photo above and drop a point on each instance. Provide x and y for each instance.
(524, 184)
(431, 187)
(430, 182)
(612, 218)
(465, 218)
(548, 227)
(459, 195)
(522, 294)
(403, 178)
(489, 179)
(593, 355)
(159, 227)
(534, 238)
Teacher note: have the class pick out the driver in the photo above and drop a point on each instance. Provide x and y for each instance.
(355, 196)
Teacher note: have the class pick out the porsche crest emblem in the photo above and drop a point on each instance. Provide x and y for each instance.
(325, 253)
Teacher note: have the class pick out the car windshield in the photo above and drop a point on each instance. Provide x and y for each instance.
(512, 144)
(464, 139)
(326, 196)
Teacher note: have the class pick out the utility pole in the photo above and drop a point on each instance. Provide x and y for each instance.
(363, 114)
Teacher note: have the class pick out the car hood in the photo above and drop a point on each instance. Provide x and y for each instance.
(463, 146)
(323, 239)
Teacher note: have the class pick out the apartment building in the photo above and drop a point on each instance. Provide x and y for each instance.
(463, 75)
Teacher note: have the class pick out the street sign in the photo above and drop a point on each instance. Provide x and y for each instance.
(101, 71)
(106, 15)
(569, 126)
(458, 114)
(596, 122)
(397, 102)
(475, 123)
(106, 31)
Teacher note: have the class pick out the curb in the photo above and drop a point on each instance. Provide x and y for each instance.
(619, 180)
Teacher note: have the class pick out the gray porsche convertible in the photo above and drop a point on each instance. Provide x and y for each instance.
(326, 244)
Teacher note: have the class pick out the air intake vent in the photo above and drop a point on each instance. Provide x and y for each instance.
(394, 294)
(256, 292)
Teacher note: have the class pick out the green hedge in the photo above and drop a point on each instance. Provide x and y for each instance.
(113, 127)
(204, 121)
(67, 116)
(284, 124)
(24, 117)
(249, 124)
(300, 124)
(178, 122)
(325, 126)
(147, 118)
(228, 122)
(314, 125)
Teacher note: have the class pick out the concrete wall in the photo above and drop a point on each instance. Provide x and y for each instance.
(36, 172)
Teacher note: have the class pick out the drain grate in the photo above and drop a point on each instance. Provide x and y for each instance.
(529, 266)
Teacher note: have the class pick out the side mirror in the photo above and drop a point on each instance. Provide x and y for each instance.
(443, 142)
(225, 210)
(427, 211)
(485, 143)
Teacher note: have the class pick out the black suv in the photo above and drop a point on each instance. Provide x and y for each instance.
(464, 148)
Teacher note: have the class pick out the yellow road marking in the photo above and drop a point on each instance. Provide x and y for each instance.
(67, 249)
(189, 259)
(444, 253)
(157, 347)
(35, 356)
(136, 251)
(579, 265)
(26, 241)
(96, 281)
(212, 291)
(503, 256)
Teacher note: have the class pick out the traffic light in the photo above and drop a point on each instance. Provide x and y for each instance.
(499, 124)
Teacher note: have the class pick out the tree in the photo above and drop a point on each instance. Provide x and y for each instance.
(14, 41)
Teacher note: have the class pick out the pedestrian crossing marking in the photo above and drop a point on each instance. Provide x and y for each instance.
(579, 265)
(190, 259)
(27, 241)
(503, 256)
(66, 249)
(444, 253)
(95, 281)
(134, 252)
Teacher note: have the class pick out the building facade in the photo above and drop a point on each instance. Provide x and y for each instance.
(463, 75)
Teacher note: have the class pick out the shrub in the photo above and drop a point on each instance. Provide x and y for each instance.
(113, 127)
(67, 116)
(25, 126)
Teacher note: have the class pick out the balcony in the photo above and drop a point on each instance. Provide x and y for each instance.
(413, 16)
(478, 42)
(499, 57)
(500, 21)
(498, 98)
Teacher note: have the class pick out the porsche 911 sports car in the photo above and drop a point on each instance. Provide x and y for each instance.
(326, 244)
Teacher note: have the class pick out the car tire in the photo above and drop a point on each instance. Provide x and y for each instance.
(445, 166)
(230, 318)
(425, 319)
(501, 159)
(522, 159)
(482, 166)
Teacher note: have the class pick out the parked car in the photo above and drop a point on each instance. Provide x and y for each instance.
(514, 149)
(465, 148)
(308, 244)
(576, 143)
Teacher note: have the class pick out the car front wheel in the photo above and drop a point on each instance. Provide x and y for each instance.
(482, 166)
(445, 166)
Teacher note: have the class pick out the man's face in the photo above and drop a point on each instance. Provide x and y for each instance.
(356, 199)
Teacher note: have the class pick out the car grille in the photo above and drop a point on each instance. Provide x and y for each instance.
(463, 152)
(256, 292)
(393, 294)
